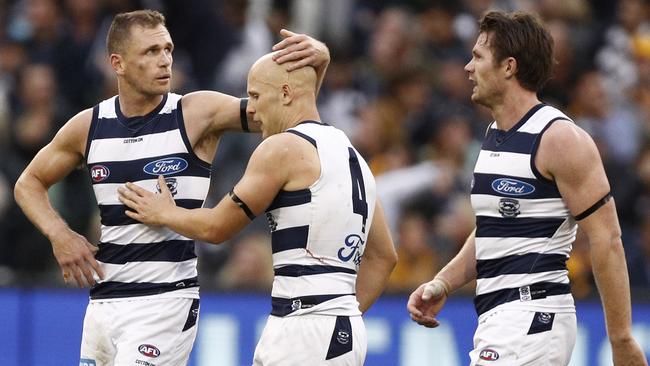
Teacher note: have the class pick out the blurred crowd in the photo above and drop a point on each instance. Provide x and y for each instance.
(395, 85)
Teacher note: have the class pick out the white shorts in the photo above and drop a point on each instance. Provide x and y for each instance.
(312, 340)
(518, 337)
(144, 332)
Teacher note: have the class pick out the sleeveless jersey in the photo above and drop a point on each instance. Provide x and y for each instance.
(318, 234)
(140, 260)
(524, 230)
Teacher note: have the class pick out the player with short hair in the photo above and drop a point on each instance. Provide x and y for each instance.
(332, 251)
(538, 177)
(144, 299)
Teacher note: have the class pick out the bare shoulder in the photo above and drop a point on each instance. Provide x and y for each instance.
(74, 134)
(565, 147)
(282, 146)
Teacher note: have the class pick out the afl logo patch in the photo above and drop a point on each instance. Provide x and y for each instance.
(149, 350)
(512, 187)
(99, 173)
(488, 354)
(343, 337)
(166, 166)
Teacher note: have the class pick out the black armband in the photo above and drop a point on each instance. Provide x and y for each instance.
(241, 204)
(243, 103)
(601, 202)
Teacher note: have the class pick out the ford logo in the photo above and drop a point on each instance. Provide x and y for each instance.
(512, 187)
(165, 166)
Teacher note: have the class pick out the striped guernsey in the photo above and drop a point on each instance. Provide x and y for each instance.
(524, 230)
(140, 260)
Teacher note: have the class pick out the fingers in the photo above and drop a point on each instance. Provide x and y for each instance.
(415, 300)
(162, 183)
(93, 262)
(137, 189)
(289, 38)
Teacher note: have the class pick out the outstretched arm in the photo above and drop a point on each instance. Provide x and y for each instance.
(582, 182)
(55, 161)
(265, 175)
(379, 259)
(211, 113)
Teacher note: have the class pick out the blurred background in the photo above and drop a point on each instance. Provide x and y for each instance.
(395, 85)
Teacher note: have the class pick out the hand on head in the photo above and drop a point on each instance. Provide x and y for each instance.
(304, 50)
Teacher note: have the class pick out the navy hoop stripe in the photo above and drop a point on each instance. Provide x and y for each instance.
(290, 198)
(516, 227)
(170, 250)
(295, 270)
(283, 307)
(289, 238)
(108, 290)
(520, 264)
(541, 290)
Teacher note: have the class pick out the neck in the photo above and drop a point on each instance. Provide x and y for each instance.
(513, 107)
(133, 104)
(301, 114)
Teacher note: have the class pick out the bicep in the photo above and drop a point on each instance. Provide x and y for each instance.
(582, 182)
(211, 112)
(265, 175)
(62, 155)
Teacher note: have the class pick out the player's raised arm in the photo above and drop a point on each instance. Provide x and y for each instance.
(266, 173)
(379, 259)
(581, 179)
(212, 112)
(55, 161)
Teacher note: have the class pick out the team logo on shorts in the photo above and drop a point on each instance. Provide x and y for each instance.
(343, 337)
(488, 354)
(545, 318)
(87, 362)
(99, 173)
(149, 350)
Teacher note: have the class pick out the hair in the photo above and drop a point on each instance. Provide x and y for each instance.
(523, 37)
(120, 29)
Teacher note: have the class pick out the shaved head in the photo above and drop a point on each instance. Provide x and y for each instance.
(266, 70)
(280, 99)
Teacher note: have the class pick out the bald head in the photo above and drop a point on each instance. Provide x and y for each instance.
(280, 99)
(266, 70)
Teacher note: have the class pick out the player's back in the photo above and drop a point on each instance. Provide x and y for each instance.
(319, 233)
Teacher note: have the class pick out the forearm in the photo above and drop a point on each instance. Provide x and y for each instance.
(31, 196)
(194, 224)
(462, 269)
(371, 280)
(610, 273)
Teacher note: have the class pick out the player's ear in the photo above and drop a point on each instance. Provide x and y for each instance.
(287, 94)
(510, 67)
(117, 63)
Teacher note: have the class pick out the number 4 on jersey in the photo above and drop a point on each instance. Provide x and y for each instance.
(359, 204)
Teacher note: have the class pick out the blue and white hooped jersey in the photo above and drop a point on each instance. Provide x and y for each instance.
(318, 234)
(524, 230)
(140, 260)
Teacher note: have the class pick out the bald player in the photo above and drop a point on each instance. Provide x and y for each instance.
(332, 251)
